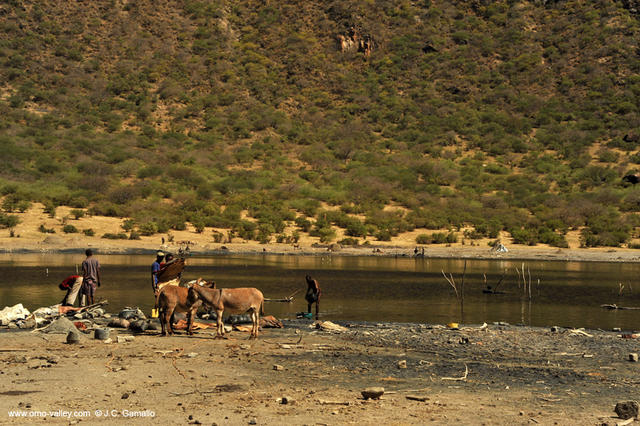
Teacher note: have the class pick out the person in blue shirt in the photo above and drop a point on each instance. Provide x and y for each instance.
(155, 268)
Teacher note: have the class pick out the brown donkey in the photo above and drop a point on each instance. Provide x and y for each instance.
(172, 299)
(233, 300)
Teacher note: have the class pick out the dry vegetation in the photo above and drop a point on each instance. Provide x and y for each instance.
(475, 119)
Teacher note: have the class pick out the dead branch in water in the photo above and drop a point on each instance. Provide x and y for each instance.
(464, 271)
(614, 306)
(288, 299)
(621, 288)
(526, 283)
(451, 282)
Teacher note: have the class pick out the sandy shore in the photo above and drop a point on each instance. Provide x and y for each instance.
(27, 238)
(498, 374)
(62, 244)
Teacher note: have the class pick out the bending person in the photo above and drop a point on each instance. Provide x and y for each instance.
(72, 284)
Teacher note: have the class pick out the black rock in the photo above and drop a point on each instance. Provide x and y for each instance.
(139, 326)
(627, 409)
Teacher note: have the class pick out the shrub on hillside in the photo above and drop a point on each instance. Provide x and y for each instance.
(303, 223)
(148, 228)
(77, 213)
(349, 242)
(69, 229)
(46, 230)
(10, 203)
(423, 239)
(437, 238)
(112, 236)
(325, 233)
(8, 220)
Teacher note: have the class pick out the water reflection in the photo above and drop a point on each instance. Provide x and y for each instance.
(359, 288)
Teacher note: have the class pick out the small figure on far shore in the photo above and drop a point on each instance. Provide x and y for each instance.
(313, 294)
(90, 277)
(72, 284)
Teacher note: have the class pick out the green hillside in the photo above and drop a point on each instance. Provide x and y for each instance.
(503, 115)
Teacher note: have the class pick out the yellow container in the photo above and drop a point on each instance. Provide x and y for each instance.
(154, 313)
(452, 325)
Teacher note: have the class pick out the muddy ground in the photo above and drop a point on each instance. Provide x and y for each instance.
(499, 374)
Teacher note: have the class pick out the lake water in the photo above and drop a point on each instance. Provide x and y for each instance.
(360, 288)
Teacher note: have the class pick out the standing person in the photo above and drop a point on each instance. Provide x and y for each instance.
(90, 276)
(72, 284)
(155, 268)
(313, 294)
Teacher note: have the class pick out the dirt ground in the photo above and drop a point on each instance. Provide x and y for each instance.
(499, 374)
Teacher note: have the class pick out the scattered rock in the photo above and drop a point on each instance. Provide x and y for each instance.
(417, 398)
(101, 333)
(633, 357)
(278, 367)
(372, 393)
(108, 340)
(118, 323)
(29, 322)
(44, 312)
(124, 396)
(96, 313)
(627, 409)
(52, 359)
(285, 400)
(132, 314)
(20, 359)
(191, 355)
(402, 363)
(328, 326)
(555, 329)
(616, 329)
(37, 363)
(73, 337)
(139, 326)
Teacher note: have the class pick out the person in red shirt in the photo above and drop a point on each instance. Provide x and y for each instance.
(72, 284)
